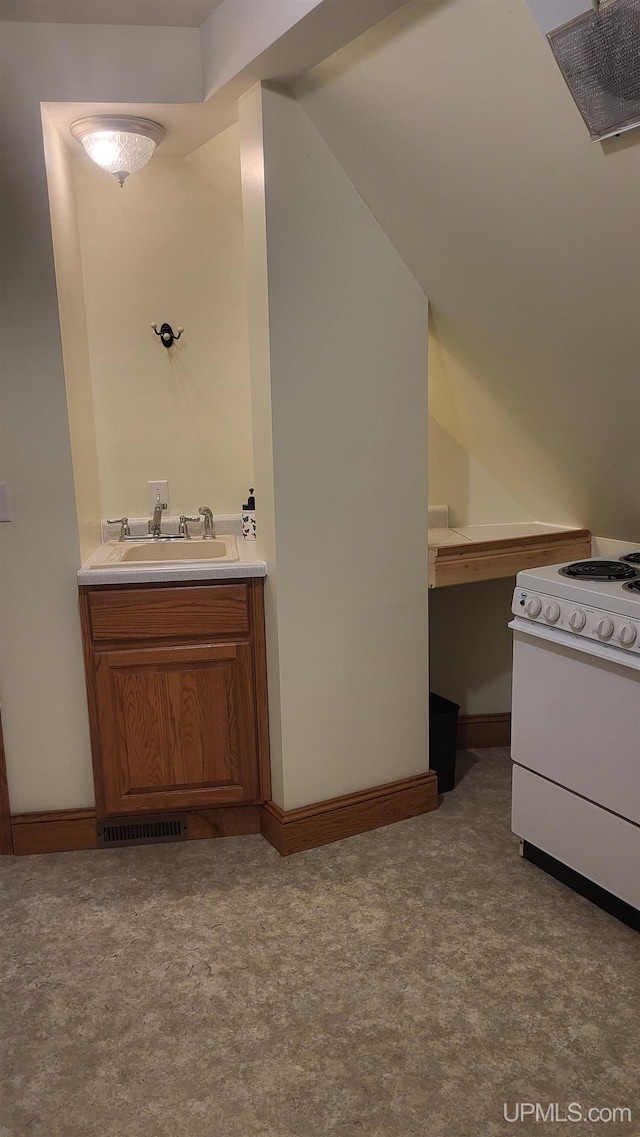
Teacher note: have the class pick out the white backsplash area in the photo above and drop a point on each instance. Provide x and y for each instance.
(139, 526)
(438, 516)
(608, 547)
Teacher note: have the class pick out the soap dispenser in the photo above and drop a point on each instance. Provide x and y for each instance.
(249, 517)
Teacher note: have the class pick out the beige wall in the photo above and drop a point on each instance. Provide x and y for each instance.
(471, 645)
(458, 480)
(455, 125)
(167, 247)
(73, 332)
(41, 675)
(338, 359)
(456, 477)
(456, 128)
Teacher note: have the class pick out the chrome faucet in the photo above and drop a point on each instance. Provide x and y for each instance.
(123, 522)
(208, 527)
(155, 527)
(183, 527)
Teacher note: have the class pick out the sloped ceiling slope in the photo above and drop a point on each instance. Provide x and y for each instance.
(454, 123)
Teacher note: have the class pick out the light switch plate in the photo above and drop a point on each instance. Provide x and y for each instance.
(155, 488)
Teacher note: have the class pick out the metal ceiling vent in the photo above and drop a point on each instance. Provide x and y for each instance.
(142, 830)
(599, 56)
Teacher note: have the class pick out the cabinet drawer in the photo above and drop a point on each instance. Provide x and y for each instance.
(139, 614)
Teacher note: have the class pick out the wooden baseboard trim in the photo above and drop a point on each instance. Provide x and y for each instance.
(59, 831)
(6, 840)
(295, 830)
(476, 731)
(62, 831)
(65, 831)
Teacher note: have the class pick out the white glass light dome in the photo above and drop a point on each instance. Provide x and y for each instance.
(120, 144)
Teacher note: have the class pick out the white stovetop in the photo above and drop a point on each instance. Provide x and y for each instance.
(610, 596)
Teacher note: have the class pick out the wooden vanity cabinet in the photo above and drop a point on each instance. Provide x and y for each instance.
(176, 682)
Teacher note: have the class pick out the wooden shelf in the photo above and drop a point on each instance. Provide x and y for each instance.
(488, 552)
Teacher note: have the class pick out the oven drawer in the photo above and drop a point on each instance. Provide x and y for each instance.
(576, 720)
(602, 847)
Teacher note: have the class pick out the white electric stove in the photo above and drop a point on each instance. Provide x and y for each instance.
(576, 726)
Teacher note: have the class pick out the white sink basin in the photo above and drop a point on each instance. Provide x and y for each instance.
(129, 554)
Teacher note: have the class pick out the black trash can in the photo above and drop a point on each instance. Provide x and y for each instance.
(443, 729)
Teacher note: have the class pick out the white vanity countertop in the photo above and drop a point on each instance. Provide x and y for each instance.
(247, 564)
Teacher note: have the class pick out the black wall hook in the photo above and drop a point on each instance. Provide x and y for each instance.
(167, 334)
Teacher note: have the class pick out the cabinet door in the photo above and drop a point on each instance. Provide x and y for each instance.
(177, 727)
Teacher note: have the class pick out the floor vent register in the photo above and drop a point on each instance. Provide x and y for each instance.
(142, 830)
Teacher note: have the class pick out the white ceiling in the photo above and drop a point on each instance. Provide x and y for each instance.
(189, 125)
(164, 13)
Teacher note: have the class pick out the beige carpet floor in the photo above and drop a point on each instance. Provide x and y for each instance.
(412, 980)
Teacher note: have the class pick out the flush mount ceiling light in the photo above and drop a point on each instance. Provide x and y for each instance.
(118, 143)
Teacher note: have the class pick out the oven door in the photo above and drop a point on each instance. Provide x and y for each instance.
(576, 716)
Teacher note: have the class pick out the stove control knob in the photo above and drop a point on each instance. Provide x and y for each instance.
(533, 606)
(551, 612)
(577, 620)
(627, 635)
(604, 628)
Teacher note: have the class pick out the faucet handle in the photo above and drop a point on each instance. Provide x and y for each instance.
(183, 528)
(209, 529)
(123, 522)
(155, 524)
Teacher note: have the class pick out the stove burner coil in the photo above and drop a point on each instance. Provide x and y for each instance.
(599, 571)
(631, 558)
(633, 585)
